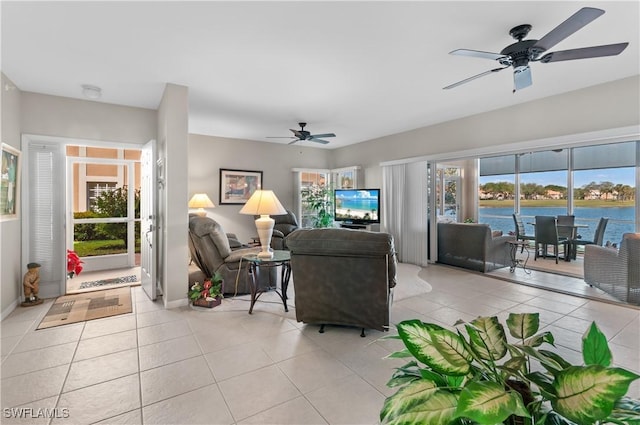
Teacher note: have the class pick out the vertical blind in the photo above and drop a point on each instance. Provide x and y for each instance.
(405, 206)
(45, 215)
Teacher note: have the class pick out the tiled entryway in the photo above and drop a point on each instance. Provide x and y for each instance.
(187, 366)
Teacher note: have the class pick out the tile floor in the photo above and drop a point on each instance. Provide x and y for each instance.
(223, 366)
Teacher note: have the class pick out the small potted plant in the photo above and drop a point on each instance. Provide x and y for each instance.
(74, 264)
(208, 293)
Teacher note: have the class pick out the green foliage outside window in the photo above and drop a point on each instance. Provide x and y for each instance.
(319, 200)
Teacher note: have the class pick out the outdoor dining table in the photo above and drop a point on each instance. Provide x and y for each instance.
(574, 235)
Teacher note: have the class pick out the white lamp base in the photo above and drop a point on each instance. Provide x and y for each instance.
(264, 225)
(201, 212)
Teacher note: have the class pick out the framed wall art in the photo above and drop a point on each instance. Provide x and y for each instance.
(10, 183)
(237, 186)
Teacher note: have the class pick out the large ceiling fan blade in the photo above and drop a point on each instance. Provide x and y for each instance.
(313, 136)
(476, 54)
(521, 78)
(280, 137)
(576, 21)
(584, 53)
(473, 78)
(294, 141)
(313, 139)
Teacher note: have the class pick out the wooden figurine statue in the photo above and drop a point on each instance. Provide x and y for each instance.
(31, 283)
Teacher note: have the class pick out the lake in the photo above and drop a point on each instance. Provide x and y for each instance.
(621, 219)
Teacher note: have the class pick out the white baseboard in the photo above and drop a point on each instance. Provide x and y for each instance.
(7, 311)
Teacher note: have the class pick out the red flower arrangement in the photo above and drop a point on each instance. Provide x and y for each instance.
(74, 263)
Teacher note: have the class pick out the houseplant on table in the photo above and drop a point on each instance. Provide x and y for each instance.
(208, 293)
(482, 378)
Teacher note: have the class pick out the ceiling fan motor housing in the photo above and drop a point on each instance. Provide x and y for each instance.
(519, 54)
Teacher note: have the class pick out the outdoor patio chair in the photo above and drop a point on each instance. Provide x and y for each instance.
(546, 234)
(520, 230)
(566, 232)
(598, 237)
(615, 272)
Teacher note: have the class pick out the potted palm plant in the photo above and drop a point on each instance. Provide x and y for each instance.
(208, 293)
(482, 378)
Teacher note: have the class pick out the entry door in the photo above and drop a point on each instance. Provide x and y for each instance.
(148, 211)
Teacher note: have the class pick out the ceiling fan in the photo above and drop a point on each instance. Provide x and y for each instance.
(519, 54)
(302, 135)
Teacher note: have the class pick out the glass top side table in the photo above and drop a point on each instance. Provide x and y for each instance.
(280, 258)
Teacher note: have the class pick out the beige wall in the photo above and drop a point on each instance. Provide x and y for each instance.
(82, 119)
(174, 218)
(10, 231)
(208, 154)
(601, 107)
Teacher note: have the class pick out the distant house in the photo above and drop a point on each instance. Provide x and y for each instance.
(554, 194)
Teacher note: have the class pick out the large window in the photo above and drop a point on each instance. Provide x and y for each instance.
(589, 182)
(497, 192)
(604, 186)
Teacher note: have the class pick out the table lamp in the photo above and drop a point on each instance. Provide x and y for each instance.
(264, 203)
(201, 201)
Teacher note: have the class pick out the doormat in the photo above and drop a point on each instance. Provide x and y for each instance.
(112, 281)
(87, 306)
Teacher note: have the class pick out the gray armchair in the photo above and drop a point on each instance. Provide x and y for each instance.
(343, 277)
(615, 272)
(210, 250)
(472, 246)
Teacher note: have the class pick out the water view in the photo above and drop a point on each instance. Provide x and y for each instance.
(621, 219)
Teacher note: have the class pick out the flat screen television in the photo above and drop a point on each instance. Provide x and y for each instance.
(357, 206)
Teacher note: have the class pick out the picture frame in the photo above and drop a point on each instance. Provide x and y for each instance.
(10, 183)
(237, 186)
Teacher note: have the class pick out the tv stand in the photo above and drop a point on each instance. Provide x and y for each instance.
(370, 227)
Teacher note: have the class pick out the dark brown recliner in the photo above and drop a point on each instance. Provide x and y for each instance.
(284, 224)
(343, 277)
(210, 250)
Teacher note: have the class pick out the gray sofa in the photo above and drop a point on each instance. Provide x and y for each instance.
(210, 250)
(616, 272)
(343, 277)
(472, 246)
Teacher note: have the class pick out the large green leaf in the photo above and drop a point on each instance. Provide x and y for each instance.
(587, 394)
(487, 338)
(489, 403)
(436, 347)
(595, 349)
(548, 362)
(537, 340)
(420, 402)
(523, 325)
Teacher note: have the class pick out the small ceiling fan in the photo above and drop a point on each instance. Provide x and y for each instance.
(519, 54)
(302, 135)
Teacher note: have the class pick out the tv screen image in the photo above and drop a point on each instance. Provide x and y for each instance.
(359, 206)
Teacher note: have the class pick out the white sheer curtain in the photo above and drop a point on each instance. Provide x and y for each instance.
(405, 201)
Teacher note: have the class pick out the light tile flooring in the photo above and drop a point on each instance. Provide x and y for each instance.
(188, 366)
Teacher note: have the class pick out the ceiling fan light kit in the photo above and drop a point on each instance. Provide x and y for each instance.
(519, 54)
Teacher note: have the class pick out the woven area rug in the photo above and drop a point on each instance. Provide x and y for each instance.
(87, 306)
(125, 279)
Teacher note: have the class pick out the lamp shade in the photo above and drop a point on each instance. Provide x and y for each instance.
(200, 201)
(263, 202)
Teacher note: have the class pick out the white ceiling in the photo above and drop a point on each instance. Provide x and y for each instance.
(254, 69)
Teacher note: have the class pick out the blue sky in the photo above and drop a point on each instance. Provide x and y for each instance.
(615, 175)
